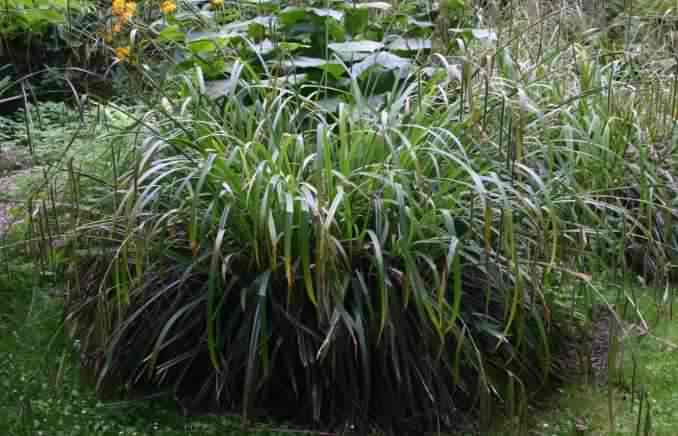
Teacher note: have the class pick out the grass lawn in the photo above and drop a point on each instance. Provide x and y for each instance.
(585, 409)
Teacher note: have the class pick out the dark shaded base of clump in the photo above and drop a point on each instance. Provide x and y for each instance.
(275, 360)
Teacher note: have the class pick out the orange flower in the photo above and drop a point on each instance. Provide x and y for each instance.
(124, 11)
(128, 12)
(168, 7)
(118, 7)
(122, 53)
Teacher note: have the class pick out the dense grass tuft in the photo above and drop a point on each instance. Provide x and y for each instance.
(350, 267)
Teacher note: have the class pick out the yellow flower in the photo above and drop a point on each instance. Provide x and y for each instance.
(168, 7)
(130, 8)
(217, 3)
(128, 12)
(118, 7)
(122, 53)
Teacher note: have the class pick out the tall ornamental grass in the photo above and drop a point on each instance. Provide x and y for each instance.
(366, 265)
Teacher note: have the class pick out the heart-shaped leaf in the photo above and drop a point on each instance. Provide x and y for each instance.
(292, 15)
(374, 5)
(422, 24)
(356, 46)
(303, 62)
(334, 68)
(356, 20)
(410, 44)
(264, 47)
(385, 60)
(172, 33)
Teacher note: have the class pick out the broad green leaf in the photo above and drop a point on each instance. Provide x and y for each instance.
(256, 31)
(292, 46)
(456, 6)
(208, 36)
(172, 33)
(191, 16)
(292, 79)
(241, 26)
(303, 62)
(333, 13)
(385, 60)
(51, 16)
(374, 5)
(334, 68)
(356, 46)
(352, 56)
(233, 29)
(203, 46)
(293, 15)
(356, 20)
(410, 44)
(422, 24)
(264, 47)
